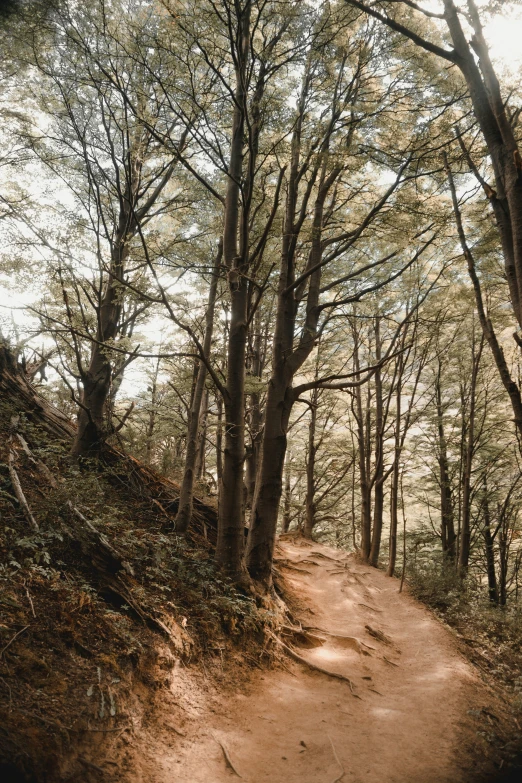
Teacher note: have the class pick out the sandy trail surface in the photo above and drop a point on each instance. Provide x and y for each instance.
(407, 717)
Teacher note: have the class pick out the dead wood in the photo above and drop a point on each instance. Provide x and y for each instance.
(111, 568)
(17, 487)
(39, 465)
(105, 557)
(9, 643)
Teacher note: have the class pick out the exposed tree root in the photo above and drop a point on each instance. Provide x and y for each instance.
(226, 754)
(287, 564)
(336, 757)
(357, 643)
(378, 635)
(372, 608)
(292, 654)
(326, 557)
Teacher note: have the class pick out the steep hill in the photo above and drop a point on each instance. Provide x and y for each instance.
(97, 597)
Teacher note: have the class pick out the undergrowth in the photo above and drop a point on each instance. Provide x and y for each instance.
(71, 648)
(491, 636)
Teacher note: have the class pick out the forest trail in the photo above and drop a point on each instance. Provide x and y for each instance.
(406, 719)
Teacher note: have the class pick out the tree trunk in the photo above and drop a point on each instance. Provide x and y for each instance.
(378, 508)
(447, 515)
(202, 438)
(490, 551)
(252, 463)
(364, 487)
(152, 415)
(465, 543)
(394, 489)
(96, 379)
(186, 497)
(310, 472)
(230, 542)
(287, 498)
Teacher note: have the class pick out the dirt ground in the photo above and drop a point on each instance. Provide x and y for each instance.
(415, 710)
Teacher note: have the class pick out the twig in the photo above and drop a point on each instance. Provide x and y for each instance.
(226, 754)
(17, 487)
(9, 643)
(390, 662)
(336, 757)
(28, 594)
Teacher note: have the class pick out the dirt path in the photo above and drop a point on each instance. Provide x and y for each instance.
(406, 721)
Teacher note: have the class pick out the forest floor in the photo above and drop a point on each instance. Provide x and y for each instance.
(415, 711)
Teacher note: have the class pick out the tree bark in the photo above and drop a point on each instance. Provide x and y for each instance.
(378, 508)
(490, 551)
(447, 514)
(465, 542)
(310, 507)
(287, 498)
(230, 543)
(186, 497)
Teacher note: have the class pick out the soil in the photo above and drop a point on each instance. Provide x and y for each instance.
(415, 710)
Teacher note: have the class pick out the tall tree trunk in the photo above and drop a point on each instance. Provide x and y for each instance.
(378, 508)
(96, 379)
(364, 484)
(486, 324)
(503, 570)
(465, 542)
(287, 497)
(447, 515)
(490, 550)
(230, 540)
(394, 488)
(280, 399)
(202, 438)
(310, 471)
(152, 415)
(186, 497)
(252, 462)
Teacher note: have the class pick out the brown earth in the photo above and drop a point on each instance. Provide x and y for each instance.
(416, 711)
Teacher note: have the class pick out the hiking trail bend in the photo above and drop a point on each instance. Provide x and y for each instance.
(403, 718)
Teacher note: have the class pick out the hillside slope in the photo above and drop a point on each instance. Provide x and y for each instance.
(99, 601)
